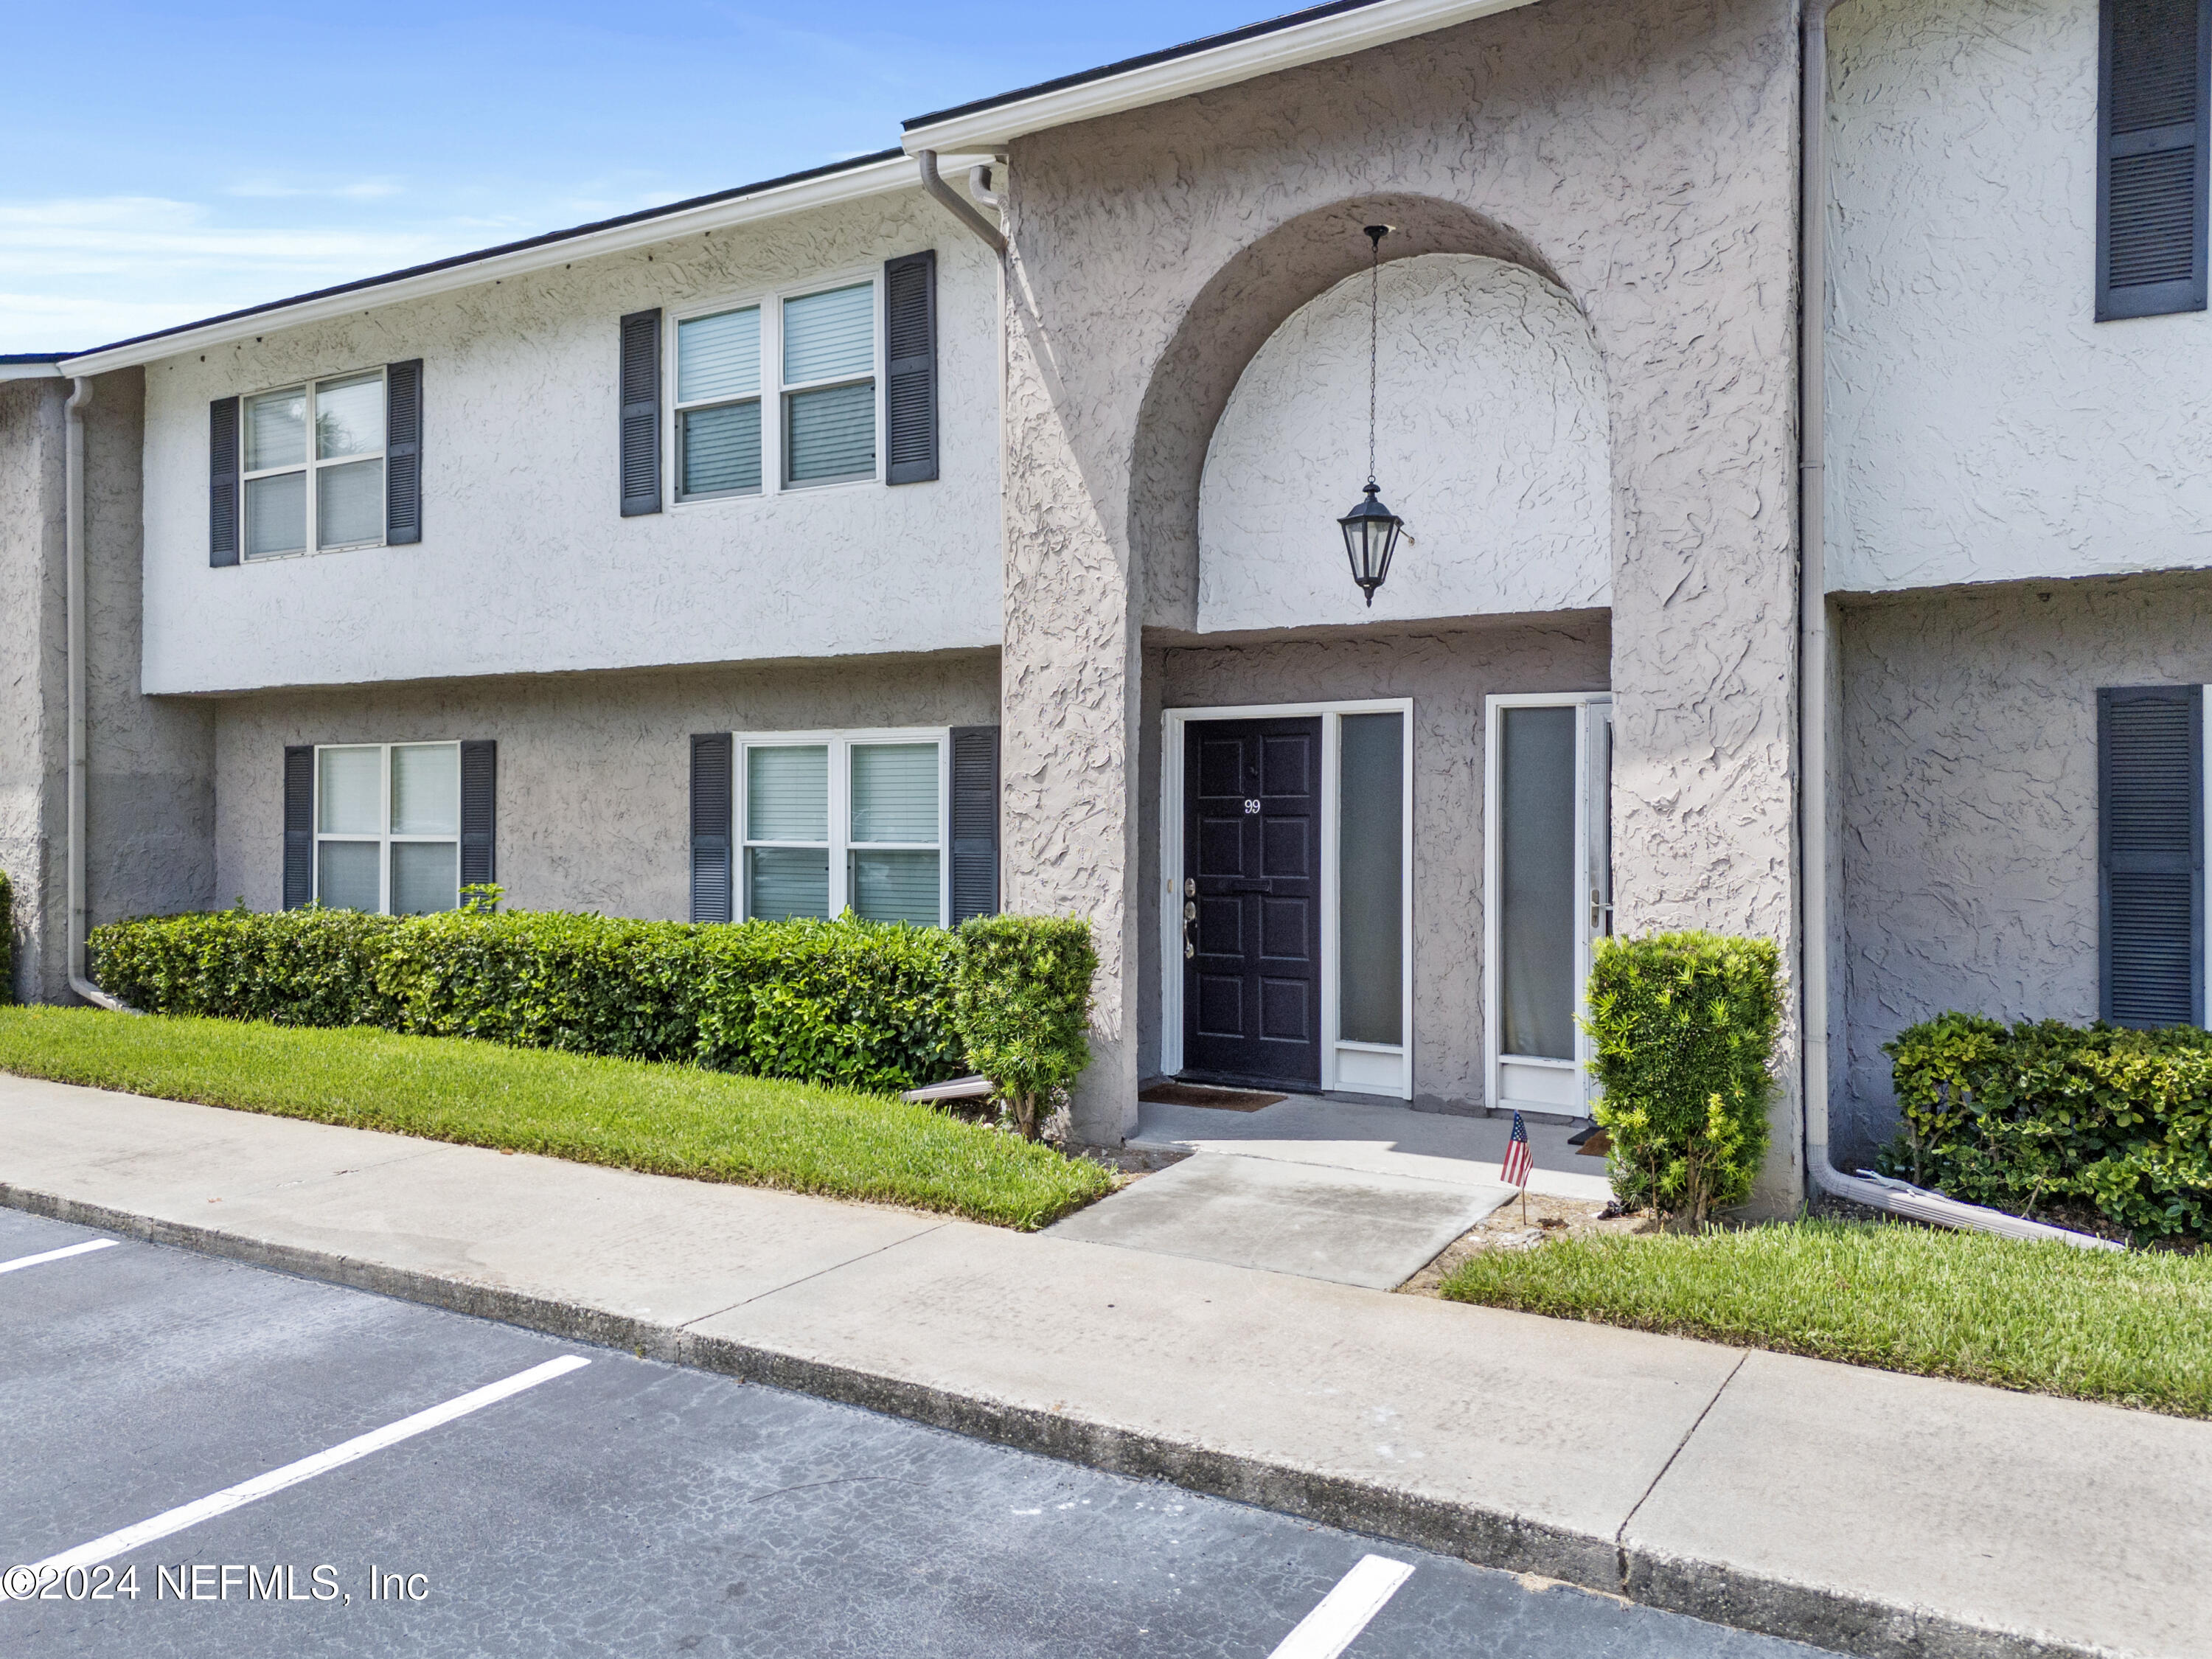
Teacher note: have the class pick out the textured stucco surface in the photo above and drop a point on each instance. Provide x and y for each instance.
(33, 711)
(525, 564)
(1644, 159)
(1492, 415)
(593, 768)
(1447, 675)
(1967, 780)
(1982, 425)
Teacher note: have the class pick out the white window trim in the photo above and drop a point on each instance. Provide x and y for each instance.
(313, 466)
(385, 841)
(773, 388)
(841, 845)
(1333, 1048)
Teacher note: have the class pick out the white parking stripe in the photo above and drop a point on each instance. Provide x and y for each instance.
(1344, 1612)
(85, 1248)
(231, 1497)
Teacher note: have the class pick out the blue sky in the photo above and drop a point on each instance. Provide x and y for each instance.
(163, 163)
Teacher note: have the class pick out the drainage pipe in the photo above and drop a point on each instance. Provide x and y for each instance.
(73, 509)
(964, 211)
(1813, 662)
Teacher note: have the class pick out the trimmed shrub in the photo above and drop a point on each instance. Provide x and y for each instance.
(1021, 1002)
(2023, 1116)
(312, 967)
(1684, 1025)
(6, 939)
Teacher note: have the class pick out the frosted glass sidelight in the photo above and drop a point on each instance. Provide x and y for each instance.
(783, 882)
(718, 357)
(831, 433)
(350, 793)
(1370, 876)
(895, 792)
(788, 794)
(277, 429)
(425, 877)
(1537, 868)
(346, 878)
(426, 789)
(276, 515)
(895, 887)
(349, 504)
(830, 337)
(349, 417)
(721, 450)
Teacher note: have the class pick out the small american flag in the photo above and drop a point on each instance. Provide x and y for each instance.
(1514, 1172)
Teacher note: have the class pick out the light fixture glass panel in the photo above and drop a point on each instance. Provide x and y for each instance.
(1370, 876)
(718, 357)
(831, 433)
(829, 335)
(722, 450)
(347, 878)
(349, 416)
(895, 887)
(784, 882)
(277, 429)
(426, 876)
(895, 792)
(426, 789)
(349, 504)
(1537, 868)
(787, 793)
(350, 794)
(276, 515)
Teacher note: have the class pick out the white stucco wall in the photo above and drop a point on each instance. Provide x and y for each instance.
(525, 564)
(1982, 426)
(1490, 443)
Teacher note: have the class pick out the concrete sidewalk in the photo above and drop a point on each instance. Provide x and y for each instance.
(1872, 1513)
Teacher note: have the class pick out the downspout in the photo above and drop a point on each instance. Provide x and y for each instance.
(1879, 1193)
(73, 509)
(964, 211)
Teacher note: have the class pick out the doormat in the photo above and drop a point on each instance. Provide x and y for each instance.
(1193, 1094)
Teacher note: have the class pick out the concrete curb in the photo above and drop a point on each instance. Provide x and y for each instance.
(1821, 1615)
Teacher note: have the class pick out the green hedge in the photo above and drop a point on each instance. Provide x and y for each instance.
(1684, 1025)
(2019, 1118)
(1022, 1004)
(847, 1002)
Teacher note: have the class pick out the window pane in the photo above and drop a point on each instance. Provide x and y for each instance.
(831, 433)
(828, 336)
(425, 877)
(349, 504)
(1536, 870)
(426, 789)
(277, 514)
(718, 357)
(721, 449)
(895, 887)
(350, 795)
(347, 880)
(783, 882)
(895, 792)
(277, 429)
(349, 416)
(787, 793)
(1370, 873)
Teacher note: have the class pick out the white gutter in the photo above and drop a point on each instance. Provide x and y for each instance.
(73, 468)
(1898, 1197)
(959, 131)
(32, 371)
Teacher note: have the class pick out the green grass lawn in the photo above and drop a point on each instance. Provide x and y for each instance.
(670, 1120)
(2134, 1329)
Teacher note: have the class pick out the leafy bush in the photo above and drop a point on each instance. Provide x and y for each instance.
(1021, 1001)
(1684, 1025)
(2019, 1118)
(6, 939)
(313, 967)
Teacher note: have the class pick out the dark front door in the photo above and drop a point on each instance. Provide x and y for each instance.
(1251, 860)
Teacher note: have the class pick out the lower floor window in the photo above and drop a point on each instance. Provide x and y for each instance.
(387, 827)
(844, 820)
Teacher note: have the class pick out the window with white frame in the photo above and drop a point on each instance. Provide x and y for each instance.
(388, 827)
(314, 465)
(810, 359)
(839, 821)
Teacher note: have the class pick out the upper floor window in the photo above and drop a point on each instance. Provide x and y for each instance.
(839, 821)
(388, 827)
(313, 466)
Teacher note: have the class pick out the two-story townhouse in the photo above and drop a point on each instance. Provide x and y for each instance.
(1940, 736)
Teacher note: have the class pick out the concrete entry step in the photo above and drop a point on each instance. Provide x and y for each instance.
(1349, 1226)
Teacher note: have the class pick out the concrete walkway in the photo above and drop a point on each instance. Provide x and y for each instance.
(1871, 1513)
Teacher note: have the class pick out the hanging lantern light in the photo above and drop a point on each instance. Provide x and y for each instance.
(1370, 529)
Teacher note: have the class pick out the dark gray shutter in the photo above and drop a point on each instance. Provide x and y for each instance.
(2150, 854)
(298, 825)
(2155, 99)
(910, 366)
(402, 455)
(640, 413)
(479, 810)
(222, 482)
(975, 822)
(712, 805)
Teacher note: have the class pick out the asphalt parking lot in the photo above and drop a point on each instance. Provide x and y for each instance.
(218, 1460)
